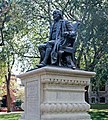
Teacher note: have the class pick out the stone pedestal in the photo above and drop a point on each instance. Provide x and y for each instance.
(54, 93)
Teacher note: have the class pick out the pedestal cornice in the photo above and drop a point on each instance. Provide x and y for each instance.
(57, 71)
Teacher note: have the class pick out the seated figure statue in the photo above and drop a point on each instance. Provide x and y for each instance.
(58, 50)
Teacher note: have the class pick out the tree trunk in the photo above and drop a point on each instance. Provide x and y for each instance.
(8, 98)
(8, 91)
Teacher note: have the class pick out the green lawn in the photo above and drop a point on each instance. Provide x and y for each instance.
(99, 114)
(14, 116)
(95, 115)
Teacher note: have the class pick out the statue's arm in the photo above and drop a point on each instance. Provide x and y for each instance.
(70, 31)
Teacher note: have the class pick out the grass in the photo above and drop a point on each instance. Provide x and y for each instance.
(95, 115)
(99, 114)
(14, 116)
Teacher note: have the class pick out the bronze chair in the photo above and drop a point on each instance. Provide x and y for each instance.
(66, 51)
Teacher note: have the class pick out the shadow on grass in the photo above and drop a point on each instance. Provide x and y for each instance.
(99, 114)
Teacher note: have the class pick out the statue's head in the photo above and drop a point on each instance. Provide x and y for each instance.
(57, 14)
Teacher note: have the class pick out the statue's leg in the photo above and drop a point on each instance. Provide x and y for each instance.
(60, 54)
(70, 62)
(47, 53)
(42, 49)
(49, 46)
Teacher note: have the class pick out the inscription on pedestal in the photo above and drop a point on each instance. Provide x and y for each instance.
(32, 89)
(33, 103)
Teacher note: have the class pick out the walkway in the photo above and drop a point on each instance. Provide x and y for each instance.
(1, 113)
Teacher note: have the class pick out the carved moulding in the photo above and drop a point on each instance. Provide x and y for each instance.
(64, 81)
(64, 107)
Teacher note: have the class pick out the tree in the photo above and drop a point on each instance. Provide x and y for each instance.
(91, 45)
(11, 50)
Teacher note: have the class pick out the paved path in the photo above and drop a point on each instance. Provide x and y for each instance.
(1, 113)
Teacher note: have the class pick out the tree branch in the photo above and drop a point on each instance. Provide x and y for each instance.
(31, 56)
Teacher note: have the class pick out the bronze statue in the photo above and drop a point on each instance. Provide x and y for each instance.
(58, 50)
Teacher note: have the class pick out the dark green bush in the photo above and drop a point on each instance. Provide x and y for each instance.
(99, 106)
(18, 103)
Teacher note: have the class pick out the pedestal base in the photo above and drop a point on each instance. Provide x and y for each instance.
(22, 116)
(53, 93)
(69, 116)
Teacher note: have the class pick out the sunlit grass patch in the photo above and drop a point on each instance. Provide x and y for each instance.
(99, 114)
(14, 116)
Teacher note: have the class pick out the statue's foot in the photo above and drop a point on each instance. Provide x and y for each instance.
(73, 67)
(41, 65)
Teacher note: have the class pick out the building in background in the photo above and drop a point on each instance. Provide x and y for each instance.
(99, 96)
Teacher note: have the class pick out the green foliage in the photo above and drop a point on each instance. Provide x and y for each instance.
(30, 21)
(2, 72)
(18, 103)
(99, 106)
